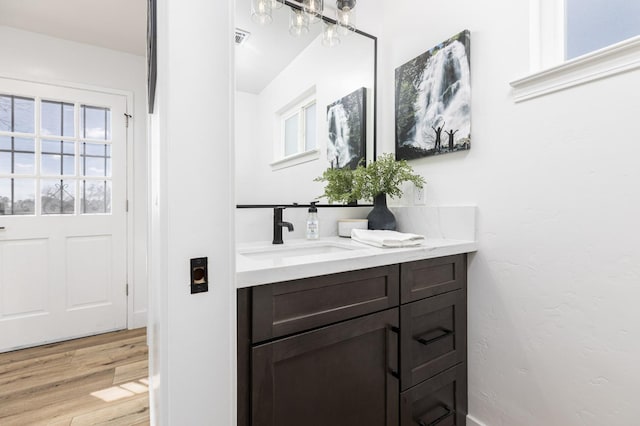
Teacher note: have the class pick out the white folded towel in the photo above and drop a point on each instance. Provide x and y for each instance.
(380, 238)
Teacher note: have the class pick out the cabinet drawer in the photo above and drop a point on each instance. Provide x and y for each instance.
(426, 278)
(432, 336)
(293, 306)
(439, 401)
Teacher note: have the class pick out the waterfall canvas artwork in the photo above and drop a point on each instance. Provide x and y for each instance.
(346, 121)
(433, 101)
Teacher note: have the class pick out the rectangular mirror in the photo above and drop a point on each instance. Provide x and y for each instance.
(302, 106)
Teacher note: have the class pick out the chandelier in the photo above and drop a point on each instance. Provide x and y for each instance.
(306, 12)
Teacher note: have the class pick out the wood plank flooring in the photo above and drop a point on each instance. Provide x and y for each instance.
(97, 380)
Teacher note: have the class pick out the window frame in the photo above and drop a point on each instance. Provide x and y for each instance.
(297, 107)
(79, 178)
(550, 72)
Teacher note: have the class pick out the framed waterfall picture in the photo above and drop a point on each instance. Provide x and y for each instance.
(433, 101)
(347, 128)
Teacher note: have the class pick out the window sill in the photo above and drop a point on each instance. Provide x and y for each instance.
(612, 60)
(295, 159)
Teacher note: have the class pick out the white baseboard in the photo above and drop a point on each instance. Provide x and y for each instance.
(471, 421)
(139, 320)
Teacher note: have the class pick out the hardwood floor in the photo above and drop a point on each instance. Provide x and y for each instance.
(98, 380)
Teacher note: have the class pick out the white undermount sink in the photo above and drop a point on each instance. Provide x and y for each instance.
(278, 252)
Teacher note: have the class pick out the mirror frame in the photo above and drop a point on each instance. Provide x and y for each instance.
(152, 61)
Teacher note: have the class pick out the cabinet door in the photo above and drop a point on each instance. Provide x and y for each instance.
(341, 375)
(439, 401)
(433, 336)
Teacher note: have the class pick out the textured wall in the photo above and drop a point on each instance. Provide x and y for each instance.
(554, 329)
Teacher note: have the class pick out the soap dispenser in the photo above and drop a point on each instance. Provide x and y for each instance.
(313, 231)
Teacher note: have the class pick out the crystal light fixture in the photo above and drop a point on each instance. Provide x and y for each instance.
(330, 34)
(345, 16)
(313, 9)
(308, 12)
(298, 23)
(261, 11)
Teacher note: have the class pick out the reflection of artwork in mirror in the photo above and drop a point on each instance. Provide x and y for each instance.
(346, 119)
(433, 101)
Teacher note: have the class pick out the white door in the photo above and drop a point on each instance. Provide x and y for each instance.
(62, 213)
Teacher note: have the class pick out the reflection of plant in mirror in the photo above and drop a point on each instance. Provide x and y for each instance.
(384, 176)
(339, 185)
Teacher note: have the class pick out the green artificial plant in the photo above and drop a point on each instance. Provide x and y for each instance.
(339, 187)
(384, 176)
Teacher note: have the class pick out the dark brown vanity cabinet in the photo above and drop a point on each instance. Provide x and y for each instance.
(342, 350)
(433, 342)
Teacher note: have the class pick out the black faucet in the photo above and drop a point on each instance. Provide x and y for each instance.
(278, 224)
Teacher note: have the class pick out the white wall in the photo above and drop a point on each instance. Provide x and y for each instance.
(335, 72)
(192, 205)
(46, 59)
(246, 140)
(554, 329)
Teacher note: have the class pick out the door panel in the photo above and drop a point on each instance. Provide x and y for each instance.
(62, 206)
(23, 288)
(88, 258)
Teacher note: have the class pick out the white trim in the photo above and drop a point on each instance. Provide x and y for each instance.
(547, 33)
(609, 61)
(472, 421)
(231, 242)
(137, 320)
(63, 83)
(132, 318)
(295, 159)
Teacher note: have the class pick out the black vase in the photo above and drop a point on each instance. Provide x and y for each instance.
(381, 217)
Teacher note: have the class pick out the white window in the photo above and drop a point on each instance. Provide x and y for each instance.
(299, 126)
(59, 150)
(297, 136)
(594, 24)
(577, 41)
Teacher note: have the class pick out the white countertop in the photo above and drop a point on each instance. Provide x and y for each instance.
(350, 255)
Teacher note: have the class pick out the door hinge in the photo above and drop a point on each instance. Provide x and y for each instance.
(127, 290)
(127, 206)
(126, 118)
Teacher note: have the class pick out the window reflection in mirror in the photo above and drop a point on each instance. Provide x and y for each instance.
(277, 159)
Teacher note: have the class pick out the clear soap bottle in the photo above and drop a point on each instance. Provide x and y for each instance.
(313, 231)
